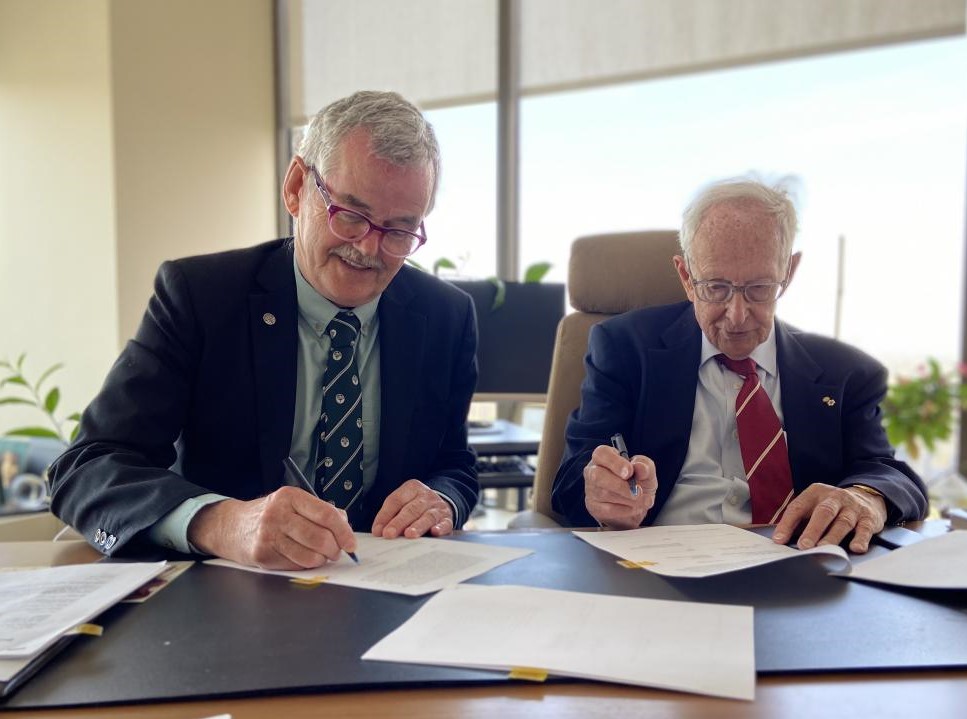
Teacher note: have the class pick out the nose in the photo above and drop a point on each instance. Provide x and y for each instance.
(368, 244)
(737, 309)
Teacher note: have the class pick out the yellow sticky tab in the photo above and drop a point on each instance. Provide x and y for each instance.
(308, 581)
(629, 564)
(91, 630)
(528, 674)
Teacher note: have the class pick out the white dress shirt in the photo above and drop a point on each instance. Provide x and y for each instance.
(712, 487)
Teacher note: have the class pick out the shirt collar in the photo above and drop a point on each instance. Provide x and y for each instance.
(319, 311)
(764, 354)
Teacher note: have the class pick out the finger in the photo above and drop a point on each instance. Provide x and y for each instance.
(646, 479)
(823, 515)
(865, 529)
(606, 487)
(407, 515)
(424, 523)
(844, 523)
(329, 521)
(317, 538)
(608, 457)
(398, 498)
(303, 557)
(797, 511)
(443, 528)
(616, 516)
(273, 550)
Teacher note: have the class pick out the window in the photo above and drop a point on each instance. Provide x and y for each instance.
(876, 138)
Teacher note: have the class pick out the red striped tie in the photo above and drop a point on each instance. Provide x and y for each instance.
(763, 445)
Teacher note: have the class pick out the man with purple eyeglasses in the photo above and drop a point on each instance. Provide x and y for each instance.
(321, 351)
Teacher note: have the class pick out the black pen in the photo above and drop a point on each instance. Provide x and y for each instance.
(618, 442)
(295, 478)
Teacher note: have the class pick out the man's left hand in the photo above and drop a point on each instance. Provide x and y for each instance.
(832, 513)
(412, 510)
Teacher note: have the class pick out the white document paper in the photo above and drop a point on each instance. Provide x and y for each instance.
(702, 550)
(39, 605)
(402, 566)
(685, 646)
(936, 563)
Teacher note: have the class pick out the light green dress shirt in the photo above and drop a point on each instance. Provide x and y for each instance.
(315, 313)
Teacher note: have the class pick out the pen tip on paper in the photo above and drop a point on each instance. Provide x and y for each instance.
(352, 556)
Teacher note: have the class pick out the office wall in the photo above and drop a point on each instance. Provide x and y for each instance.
(58, 287)
(131, 131)
(194, 135)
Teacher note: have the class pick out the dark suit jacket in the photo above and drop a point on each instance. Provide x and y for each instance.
(642, 373)
(203, 398)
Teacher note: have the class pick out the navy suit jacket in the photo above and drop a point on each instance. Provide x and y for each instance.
(642, 374)
(203, 398)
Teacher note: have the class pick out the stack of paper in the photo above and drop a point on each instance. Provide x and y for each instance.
(40, 606)
(402, 566)
(701, 550)
(590, 636)
(708, 550)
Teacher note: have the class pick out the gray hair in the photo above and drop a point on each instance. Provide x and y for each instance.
(399, 133)
(774, 199)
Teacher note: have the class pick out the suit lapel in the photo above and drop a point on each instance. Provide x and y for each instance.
(273, 322)
(811, 410)
(671, 379)
(402, 343)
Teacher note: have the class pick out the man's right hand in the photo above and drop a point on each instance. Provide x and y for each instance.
(607, 495)
(288, 529)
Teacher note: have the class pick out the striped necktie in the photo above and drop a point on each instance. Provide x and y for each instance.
(339, 457)
(762, 443)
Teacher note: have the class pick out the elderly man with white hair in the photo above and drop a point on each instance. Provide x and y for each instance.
(729, 414)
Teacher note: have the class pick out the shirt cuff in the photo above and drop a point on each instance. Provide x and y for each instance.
(457, 524)
(171, 531)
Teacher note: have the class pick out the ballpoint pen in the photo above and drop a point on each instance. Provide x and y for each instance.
(295, 478)
(618, 442)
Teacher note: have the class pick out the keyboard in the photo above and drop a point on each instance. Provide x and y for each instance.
(503, 465)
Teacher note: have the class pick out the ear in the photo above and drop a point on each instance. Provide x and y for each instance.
(295, 178)
(793, 264)
(684, 277)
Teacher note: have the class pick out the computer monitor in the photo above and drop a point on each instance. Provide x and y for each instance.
(515, 339)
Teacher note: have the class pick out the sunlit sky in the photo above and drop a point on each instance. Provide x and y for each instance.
(877, 140)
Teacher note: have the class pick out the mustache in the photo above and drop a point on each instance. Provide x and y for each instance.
(349, 253)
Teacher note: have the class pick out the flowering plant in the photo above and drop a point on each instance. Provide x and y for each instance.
(923, 409)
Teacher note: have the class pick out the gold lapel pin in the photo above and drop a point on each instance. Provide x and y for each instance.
(268, 318)
(829, 401)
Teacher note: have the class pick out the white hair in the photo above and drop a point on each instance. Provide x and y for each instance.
(398, 132)
(774, 199)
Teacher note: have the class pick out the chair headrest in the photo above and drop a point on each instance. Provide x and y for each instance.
(618, 272)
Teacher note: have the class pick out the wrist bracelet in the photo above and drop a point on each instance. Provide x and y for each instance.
(867, 490)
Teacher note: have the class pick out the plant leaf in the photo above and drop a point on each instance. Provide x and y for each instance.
(20, 361)
(76, 417)
(16, 379)
(16, 400)
(414, 263)
(51, 400)
(443, 264)
(47, 373)
(77, 428)
(536, 272)
(33, 432)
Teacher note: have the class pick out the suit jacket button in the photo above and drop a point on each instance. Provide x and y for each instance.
(97, 536)
(111, 541)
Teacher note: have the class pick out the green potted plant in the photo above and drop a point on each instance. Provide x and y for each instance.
(920, 411)
(19, 390)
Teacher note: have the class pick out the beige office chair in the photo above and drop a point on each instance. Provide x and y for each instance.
(607, 275)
